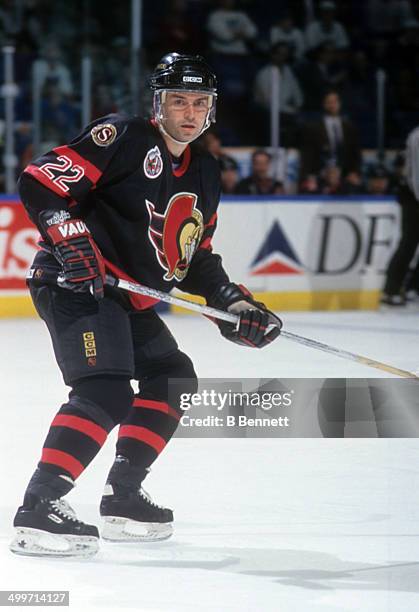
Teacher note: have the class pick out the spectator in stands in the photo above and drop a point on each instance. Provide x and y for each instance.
(231, 36)
(378, 181)
(397, 174)
(359, 97)
(408, 40)
(284, 31)
(51, 69)
(330, 182)
(230, 30)
(118, 71)
(319, 73)
(229, 175)
(290, 95)
(59, 117)
(260, 182)
(326, 29)
(310, 185)
(177, 31)
(358, 93)
(32, 25)
(10, 23)
(387, 16)
(333, 140)
(211, 142)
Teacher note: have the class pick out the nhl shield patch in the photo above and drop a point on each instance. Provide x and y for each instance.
(153, 163)
(104, 134)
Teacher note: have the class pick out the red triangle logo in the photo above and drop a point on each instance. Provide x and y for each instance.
(276, 267)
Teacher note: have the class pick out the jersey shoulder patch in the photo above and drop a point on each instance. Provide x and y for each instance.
(103, 134)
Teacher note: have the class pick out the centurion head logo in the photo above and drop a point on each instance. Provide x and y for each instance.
(176, 235)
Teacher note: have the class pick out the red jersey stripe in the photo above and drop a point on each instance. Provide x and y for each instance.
(143, 435)
(97, 433)
(155, 405)
(185, 163)
(42, 178)
(90, 170)
(206, 244)
(63, 460)
(211, 221)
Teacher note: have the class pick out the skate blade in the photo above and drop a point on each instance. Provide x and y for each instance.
(117, 529)
(392, 308)
(38, 543)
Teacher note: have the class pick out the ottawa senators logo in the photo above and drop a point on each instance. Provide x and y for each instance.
(104, 134)
(153, 163)
(176, 235)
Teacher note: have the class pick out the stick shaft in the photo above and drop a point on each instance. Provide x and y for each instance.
(171, 299)
(372, 363)
(232, 318)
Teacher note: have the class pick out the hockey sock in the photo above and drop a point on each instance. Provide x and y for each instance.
(77, 433)
(145, 432)
(155, 413)
(79, 430)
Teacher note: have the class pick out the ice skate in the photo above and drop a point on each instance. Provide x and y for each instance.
(51, 529)
(129, 513)
(135, 518)
(392, 302)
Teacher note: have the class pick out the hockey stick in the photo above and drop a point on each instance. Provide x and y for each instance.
(232, 318)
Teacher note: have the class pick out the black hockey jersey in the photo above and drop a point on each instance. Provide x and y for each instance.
(152, 223)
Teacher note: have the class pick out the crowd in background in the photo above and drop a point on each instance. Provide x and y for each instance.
(327, 63)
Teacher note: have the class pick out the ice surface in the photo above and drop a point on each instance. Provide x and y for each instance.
(289, 525)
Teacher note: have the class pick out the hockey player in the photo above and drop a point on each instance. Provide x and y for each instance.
(129, 197)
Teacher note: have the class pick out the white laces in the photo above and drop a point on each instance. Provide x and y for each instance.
(63, 507)
(147, 497)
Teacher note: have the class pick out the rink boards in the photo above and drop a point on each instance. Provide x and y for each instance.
(295, 253)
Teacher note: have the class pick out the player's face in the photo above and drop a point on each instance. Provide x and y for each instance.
(185, 114)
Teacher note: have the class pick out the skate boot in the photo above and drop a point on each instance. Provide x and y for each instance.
(128, 511)
(392, 301)
(46, 525)
(51, 529)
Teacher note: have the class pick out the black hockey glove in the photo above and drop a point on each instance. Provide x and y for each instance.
(74, 248)
(252, 329)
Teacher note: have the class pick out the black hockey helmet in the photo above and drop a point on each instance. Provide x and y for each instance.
(185, 73)
(179, 71)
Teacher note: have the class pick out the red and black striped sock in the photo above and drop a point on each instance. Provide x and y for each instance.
(147, 429)
(77, 433)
